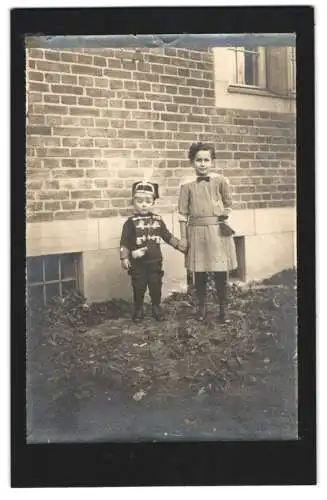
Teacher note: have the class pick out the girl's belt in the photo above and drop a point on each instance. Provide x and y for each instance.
(204, 221)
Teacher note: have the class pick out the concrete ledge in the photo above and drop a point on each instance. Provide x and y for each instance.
(61, 236)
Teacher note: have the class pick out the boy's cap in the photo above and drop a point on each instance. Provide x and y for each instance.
(146, 187)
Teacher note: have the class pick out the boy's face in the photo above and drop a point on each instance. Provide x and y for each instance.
(202, 162)
(143, 202)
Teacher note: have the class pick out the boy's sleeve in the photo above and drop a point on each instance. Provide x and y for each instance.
(126, 240)
(168, 237)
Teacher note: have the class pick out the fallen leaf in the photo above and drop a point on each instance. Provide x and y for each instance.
(139, 395)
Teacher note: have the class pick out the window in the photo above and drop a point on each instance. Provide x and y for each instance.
(250, 66)
(51, 276)
(270, 69)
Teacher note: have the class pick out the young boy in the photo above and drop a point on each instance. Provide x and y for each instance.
(140, 251)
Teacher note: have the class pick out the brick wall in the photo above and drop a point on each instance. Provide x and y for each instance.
(98, 119)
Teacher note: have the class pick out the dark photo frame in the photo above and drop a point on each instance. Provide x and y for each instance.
(170, 463)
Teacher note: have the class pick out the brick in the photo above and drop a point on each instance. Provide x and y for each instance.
(158, 106)
(69, 99)
(100, 61)
(48, 109)
(70, 215)
(58, 152)
(130, 104)
(84, 111)
(35, 53)
(68, 57)
(50, 163)
(53, 120)
(38, 87)
(91, 194)
(53, 195)
(36, 119)
(35, 76)
(100, 132)
(116, 84)
(86, 70)
(52, 55)
(101, 82)
(144, 87)
(113, 63)
(82, 163)
(144, 105)
(87, 143)
(99, 92)
(95, 172)
(40, 217)
(149, 77)
(130, 134)
(35, 206)
(118, 74)
(69, 80)
(86, 204)
(67, 89)
(68, 173)
(69, 131)
(85, 101)
(51, 184)
(185, 100)
(193, 82)
(54, 99)
(54, 67)
(68, 205)
(43, 141)
(52, 205)
(101, 183)
(103, 213)
(116, 103)
(35, 185)
(40, 130)
(116, 153)
(100, 102)
(85, 152)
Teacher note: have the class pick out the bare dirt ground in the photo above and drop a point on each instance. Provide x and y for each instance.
(93, 375)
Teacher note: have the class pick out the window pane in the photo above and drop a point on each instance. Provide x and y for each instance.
(52, 290)
(51, 263)
(35, 295)
(251, 66)
(67, 266)
(67, 286)
(34, 270)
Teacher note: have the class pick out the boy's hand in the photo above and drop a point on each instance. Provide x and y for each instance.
(182, 245)
(125, 264)
(139, 252)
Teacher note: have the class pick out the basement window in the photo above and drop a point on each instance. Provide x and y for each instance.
(50, 276)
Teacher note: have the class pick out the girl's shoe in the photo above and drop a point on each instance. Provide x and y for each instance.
(158, 313)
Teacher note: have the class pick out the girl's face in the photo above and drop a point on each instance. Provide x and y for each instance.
(143, 202)
(202, 162)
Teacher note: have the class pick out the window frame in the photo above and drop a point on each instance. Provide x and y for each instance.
(60, 280)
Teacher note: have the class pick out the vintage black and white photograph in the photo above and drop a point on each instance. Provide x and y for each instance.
(161, 241)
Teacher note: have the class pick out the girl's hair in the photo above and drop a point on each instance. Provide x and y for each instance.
(201, 146)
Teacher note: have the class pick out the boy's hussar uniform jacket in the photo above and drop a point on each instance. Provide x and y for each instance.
(145, 231)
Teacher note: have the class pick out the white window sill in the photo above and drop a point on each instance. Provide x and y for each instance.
(247, 89)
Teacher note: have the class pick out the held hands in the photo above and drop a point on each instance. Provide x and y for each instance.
(125, 264)
(139, 252)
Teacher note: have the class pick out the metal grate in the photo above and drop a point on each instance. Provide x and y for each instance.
(51, 276)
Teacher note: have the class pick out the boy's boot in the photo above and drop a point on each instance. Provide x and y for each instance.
(155, 286)
(138, 292)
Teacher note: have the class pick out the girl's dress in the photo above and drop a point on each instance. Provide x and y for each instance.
(200, 204)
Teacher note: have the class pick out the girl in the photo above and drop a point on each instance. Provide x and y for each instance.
(204, 205)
